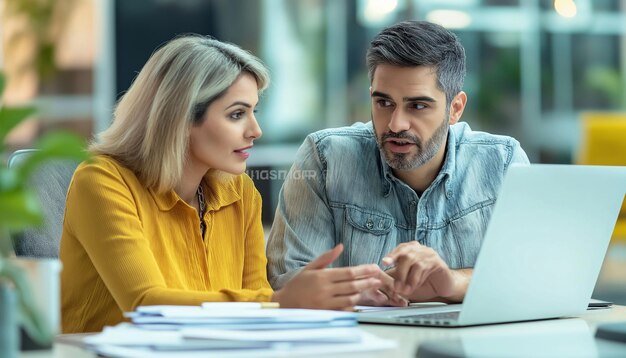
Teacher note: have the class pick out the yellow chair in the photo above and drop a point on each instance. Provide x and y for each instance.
(604, 143)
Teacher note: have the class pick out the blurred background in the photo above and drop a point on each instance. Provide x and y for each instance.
(551, 73)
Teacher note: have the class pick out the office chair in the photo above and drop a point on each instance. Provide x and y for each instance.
(604, 143)
(50, 182)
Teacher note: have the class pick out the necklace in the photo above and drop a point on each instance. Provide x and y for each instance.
(202, 206)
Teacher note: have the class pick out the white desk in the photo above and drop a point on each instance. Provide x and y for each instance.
(409, 338)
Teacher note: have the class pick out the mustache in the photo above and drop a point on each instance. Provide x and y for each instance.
(401, 135)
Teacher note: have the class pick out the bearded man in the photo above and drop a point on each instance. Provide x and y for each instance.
(412, 190)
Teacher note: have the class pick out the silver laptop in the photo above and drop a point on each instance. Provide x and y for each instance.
(542, 251)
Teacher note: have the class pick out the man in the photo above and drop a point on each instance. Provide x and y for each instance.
(412, 190)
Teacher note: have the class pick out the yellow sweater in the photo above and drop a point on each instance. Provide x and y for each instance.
(125, 246)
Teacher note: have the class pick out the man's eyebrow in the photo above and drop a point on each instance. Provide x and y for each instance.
(239, 103)
(405, 99)
(380, 94)
(419, 99)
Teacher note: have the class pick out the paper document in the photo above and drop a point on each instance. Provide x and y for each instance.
(195, 315)
(387, 308)
(128, 335)
(367, 343)
(239, 305)
(329, 335)
(248, 326)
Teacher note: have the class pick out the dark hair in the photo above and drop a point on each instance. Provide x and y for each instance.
(421, 43)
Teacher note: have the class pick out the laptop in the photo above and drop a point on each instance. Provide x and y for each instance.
(542, 251)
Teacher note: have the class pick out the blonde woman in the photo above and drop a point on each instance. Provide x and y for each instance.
(164, 213)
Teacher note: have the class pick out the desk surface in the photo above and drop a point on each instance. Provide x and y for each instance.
(409, 338)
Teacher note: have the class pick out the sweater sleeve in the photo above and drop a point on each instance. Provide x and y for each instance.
(102, 214)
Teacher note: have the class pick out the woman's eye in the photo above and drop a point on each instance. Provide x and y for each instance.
(237, 115)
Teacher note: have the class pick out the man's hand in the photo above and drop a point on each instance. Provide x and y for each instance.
(421, 275)
(383, 296)
(319, 287)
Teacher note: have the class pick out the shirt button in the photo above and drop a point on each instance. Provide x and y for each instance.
(413, 202)
(369, 224)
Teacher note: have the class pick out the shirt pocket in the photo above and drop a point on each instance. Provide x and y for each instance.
(365, 235)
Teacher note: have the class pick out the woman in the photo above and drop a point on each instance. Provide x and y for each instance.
(163, 213)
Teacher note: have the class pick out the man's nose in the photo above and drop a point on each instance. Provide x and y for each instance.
(399, 121)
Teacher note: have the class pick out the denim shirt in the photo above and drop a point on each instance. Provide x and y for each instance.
(341, 190)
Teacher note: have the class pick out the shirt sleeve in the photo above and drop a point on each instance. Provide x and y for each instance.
(303, 224)
(102, 214)
(518, 155)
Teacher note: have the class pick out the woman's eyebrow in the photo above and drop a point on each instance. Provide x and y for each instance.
(239, 103)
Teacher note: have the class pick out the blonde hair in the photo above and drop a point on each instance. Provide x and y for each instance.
(149, 134)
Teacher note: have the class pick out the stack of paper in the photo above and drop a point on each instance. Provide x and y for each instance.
(231, 316)
(233, 330)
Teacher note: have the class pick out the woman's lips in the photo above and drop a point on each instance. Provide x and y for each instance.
(242, 152)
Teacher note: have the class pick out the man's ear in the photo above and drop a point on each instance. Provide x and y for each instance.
(370, 91)
(457, 107)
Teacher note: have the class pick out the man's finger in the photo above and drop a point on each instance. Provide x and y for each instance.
(325, 259)
(387, 282)
(385, 277)
(416, 277)
(357, 286)
(353, 273)
(344, 302)
(403, 265)
(373, 298)
(392, 257)
(394, 299)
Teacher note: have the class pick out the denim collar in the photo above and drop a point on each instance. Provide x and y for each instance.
(449, 164)
(446, 172)
(384, 170)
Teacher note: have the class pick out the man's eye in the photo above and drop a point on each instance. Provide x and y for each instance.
(418, 106)
(383, 103)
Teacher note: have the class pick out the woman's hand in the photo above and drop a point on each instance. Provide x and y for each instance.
(337, 288)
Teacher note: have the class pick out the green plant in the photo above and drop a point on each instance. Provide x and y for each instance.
(20, 209)
(607, 85)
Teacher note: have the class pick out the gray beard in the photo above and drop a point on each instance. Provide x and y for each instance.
(425, 151)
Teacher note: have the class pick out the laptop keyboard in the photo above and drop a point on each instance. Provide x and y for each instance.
(442, 318)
